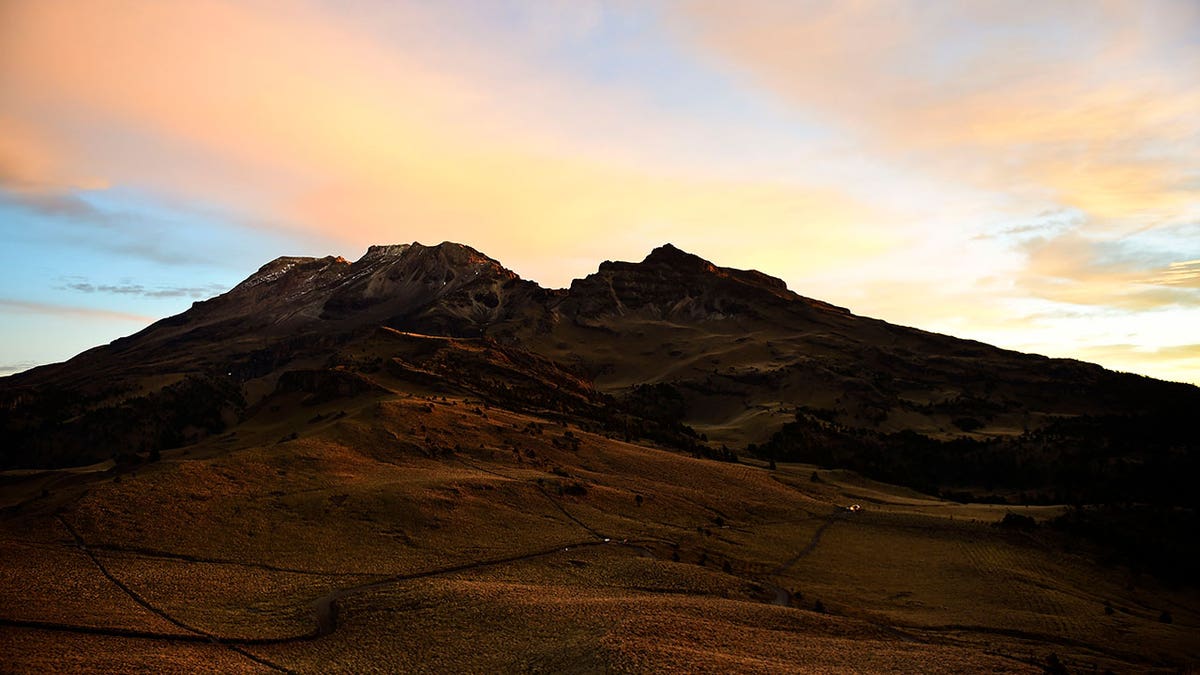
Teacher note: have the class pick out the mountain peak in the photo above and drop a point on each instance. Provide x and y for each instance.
(668, 255)
(675, 259)
(453, 252)
(273, 270)
(387, 250)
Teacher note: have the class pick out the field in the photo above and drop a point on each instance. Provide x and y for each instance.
(407, 532)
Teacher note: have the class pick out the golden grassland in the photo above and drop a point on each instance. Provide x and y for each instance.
(420, 534)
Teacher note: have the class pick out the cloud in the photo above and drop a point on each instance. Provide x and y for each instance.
(1136, 273)
(20, 366)
(1173, 362)
(1169, 353)
(10, 304)
(30, 160)
(1093, 106)
(205, 291)
(1045, 224)
(158, 231)
(1184, 273)
(60, 205)
(304, 117)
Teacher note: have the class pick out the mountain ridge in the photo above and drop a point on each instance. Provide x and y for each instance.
(734, 355)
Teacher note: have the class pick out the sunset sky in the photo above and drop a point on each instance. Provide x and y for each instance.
(1022, 173)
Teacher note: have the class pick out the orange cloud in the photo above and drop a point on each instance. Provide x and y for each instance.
(1072, 268)
(30, 163)
(1080, 104)
(283, 110)
(1180, 363)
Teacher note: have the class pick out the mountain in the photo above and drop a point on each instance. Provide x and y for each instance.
(420, 461)
(719, 359)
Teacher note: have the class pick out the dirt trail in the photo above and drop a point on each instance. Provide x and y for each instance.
(783, 597)
(780, 596)
(545, 494)
(326, 606)
(1033, 636)
(812, 544)
(133, 595)
(182, 557)
(102, 630)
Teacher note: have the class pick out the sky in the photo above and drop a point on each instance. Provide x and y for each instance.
(1022, 173)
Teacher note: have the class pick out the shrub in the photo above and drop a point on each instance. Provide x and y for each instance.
(1054, 666)
(968, 423)
(1016, 521)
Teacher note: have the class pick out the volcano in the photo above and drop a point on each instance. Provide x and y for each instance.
(417, 458)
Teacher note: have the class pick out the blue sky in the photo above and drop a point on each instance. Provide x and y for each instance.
(97, 265)
(1021, 173)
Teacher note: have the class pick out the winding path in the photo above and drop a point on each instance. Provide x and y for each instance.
(326, 606)
(549, 498)
(199, 633)
(812, 544)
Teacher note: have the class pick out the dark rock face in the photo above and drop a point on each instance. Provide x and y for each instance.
(671, 283)
(282, 291)
(448, 289)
